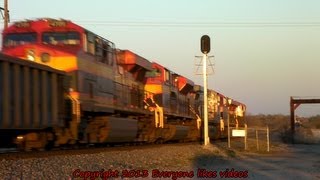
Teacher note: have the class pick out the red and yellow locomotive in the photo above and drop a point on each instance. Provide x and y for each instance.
(111, 95)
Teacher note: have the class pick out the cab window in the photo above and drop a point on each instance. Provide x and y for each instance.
(102, 49)
(155, 72)
(61, 38)
(167, 76)
(17, 39)
(90, 43)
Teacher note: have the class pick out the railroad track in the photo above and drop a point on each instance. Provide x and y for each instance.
(14, 154)
(8, 150)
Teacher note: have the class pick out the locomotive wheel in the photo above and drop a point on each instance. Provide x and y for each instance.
(159, 141)
(50, 141)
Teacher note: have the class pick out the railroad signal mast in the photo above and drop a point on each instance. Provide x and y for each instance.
(205, 49)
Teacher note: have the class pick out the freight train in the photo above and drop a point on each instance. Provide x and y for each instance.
(62, 84)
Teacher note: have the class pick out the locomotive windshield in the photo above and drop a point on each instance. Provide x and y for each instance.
(19, 39)
(61, 38)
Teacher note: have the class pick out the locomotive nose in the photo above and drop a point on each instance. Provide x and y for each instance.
(20, 53)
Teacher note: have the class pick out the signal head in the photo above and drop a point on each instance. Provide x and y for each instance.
(205, 44)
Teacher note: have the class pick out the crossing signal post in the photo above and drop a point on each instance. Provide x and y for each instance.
(205, 49)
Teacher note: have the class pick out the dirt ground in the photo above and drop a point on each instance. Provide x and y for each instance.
(283, 161)
(193, 160)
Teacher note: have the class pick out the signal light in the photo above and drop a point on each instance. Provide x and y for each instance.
(205, 44)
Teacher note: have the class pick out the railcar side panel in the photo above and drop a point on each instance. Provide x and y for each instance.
(31, 95)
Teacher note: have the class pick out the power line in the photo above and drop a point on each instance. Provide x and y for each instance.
(200, 24)
(195, 24)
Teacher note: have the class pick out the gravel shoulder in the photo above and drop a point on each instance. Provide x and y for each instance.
(187, 161)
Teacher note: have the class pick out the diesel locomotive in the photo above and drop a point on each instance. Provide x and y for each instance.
(62, 84)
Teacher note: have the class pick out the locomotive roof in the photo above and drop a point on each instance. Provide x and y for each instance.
(40, 24)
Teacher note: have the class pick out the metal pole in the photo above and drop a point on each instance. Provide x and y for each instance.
(245, 136)
(257, 139)
(268, 140)
(229, 145)
(292, 119)
(205, 100)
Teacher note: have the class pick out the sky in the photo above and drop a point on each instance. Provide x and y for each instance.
(264, 51)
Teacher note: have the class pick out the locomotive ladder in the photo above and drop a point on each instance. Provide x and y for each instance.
(158, 112)
(197, 115)
(76, 114)
(75, 108)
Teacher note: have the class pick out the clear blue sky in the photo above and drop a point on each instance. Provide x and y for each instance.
(265, 51)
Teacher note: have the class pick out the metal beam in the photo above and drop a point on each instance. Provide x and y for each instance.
(294, 104)
(305, 101)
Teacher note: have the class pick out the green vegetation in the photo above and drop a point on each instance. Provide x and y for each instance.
(275, 122)
(279, 125)
(314, 122)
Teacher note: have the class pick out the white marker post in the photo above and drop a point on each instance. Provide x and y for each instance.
(205, 49)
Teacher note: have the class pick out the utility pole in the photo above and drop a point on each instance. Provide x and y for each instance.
(6, 14)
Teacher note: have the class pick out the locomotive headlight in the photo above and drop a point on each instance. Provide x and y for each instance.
(19, 138)
(30, 55)
(45, 57)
